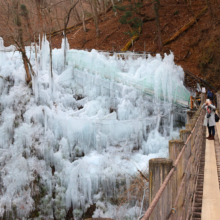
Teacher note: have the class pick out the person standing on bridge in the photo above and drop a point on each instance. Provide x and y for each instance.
(210, 118)
(198, 98)
(210, 95)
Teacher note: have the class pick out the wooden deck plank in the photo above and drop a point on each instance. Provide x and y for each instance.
(211, 194)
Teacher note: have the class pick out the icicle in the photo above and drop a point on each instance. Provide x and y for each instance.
(171, 124)
(40, 42)
(65, 49)
(45, 120)
(1, 52)
(45, 50)
(35, 88)
(158, 122)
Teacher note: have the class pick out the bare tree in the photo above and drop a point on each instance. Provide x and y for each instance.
(93, 6)
(83, 17)
(158, 30)
(96, 20)
(49, 22)
(113, 4)
(39, 14)
(103, 5)
(76, 15)
(19, 41)
(66, 21)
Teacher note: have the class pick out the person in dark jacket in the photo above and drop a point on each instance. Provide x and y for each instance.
(198, 98)
(209, 120)
(210, 95)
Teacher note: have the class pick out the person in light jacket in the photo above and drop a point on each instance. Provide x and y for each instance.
(210, 118)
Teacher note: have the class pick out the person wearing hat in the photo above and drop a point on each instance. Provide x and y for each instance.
(209, 120)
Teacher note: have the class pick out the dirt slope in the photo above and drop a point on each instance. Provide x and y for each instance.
(196, 49)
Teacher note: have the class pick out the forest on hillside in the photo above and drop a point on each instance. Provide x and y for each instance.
(188, 28)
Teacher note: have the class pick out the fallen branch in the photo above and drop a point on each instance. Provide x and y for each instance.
(186, 27)
(75, 34)
(143, 175)
(84, 43)
(3, 78)
(108, 36)
(146, 19)
(136, 37)
(132, 40)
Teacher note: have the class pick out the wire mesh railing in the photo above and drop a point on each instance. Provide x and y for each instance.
(84, 61)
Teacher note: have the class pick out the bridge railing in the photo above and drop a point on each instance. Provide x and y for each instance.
(172, 182)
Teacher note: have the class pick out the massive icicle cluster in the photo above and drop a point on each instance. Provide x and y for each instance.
(78, 135)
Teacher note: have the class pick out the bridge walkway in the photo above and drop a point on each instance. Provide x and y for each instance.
(211, 193)
(197, 205)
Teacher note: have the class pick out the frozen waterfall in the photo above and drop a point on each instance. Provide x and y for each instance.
(108, 117)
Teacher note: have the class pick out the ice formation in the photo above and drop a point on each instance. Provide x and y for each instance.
(71, 146)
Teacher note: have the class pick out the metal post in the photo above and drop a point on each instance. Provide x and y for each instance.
(158, 171)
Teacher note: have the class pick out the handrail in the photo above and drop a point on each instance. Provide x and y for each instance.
(167, 179)
(200, 79)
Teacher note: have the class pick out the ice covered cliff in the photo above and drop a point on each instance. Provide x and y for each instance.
(73, 139)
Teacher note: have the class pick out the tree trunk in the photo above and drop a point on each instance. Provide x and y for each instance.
(130, 43)
(96, 17)
(113, 4)
(40, 20)
(24, 56)
(83, 17)
(77, 14)
(18, 24)
(38, 4)
(158, 31)
(104, 9)
(58, 22)
(66, 21)
(29, 26)
(28, 78)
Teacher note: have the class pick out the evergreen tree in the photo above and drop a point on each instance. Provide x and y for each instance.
(131, 16)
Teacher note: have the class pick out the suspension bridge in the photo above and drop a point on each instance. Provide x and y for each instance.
(186, 185)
